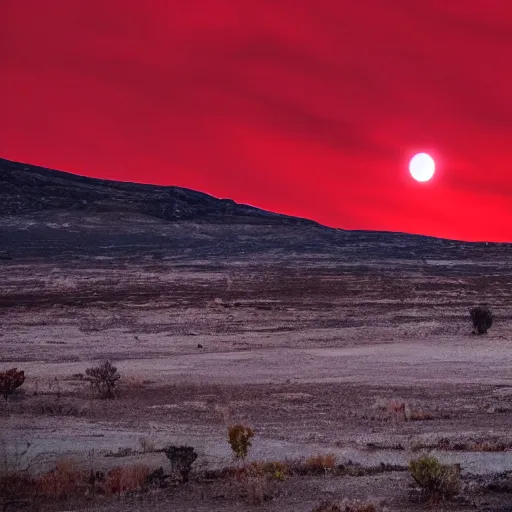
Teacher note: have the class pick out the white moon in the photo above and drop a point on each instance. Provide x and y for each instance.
(422, 167)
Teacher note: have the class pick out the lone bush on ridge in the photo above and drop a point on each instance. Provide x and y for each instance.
(103, 379)
(482, 319)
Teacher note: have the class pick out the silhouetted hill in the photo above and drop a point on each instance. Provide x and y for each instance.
(47, 213)
(27, 189)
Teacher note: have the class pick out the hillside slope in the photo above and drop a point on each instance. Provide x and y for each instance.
(48, 213)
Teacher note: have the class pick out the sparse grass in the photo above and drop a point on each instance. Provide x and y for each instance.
(239, 438)
(397, 410)
(121, 452)
(321, 463)
(421, 416)
(123, 479)
(66, 481)
(437, 481)
(252, 484)
(280, 470)
(61, 483)
(482, 445)
(345, 506)
(327, 506)
(273, 470)
(57, 407)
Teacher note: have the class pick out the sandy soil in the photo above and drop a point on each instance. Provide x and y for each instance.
(308, 353)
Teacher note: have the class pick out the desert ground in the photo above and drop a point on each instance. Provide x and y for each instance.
(307, 347)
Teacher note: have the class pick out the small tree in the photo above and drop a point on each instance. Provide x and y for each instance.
(11, 380)
(182, 458)
(103, 379)
(437, 481)
(482, 318)
(239, 438)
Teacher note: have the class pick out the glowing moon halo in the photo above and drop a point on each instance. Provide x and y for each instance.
(422, 167)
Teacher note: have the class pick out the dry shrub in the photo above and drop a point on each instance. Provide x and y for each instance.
(482, 318)
(121, 479)
(103, 379)
(61, 483)
(397, 410)
(273, 470)
(10, 380)
(252, 484)
(490, 446)
(66, 482)
(321, 463)
(182, 458)
(437, 481)
(239, 438)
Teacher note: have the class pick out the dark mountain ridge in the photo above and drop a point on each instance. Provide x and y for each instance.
(27, 189)
(47, 213)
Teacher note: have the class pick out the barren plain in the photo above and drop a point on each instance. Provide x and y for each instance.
(304, 333)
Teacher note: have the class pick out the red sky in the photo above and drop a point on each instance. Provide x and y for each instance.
(310, 108)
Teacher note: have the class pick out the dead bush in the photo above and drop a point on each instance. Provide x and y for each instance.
(62, 482)
(482, 319)
(321, 463)
(10, 380)
(437, 481)
(252, 484)
(397, 409)
(123, 479)
(66, 481)
(239, 438)
(103, 379)
(182, 458)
